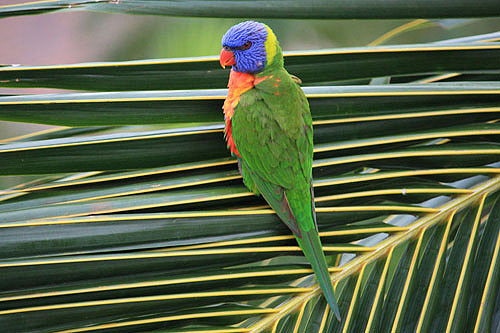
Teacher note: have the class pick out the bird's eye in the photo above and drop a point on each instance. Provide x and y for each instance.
(246, 46)
(227, 48)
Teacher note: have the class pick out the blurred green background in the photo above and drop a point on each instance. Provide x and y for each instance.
(73, 37)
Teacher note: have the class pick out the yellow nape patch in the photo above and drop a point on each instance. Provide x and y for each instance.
(270, 45)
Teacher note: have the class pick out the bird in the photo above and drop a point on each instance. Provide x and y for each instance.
(268, 128)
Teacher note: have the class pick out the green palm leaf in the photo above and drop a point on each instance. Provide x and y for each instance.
(272, 9)
(143, 228)
(313, 67)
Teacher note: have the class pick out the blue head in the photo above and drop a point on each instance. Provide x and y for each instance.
(248, 46)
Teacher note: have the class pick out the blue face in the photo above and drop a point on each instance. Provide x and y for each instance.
(246, 40)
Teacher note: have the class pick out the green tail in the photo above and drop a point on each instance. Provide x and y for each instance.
(311, 246)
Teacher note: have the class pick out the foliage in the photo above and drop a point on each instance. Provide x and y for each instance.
(320, 9)
(140, 221)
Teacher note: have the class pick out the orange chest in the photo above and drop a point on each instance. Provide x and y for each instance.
(239, 83)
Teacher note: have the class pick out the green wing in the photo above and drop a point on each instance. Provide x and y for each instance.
(272, 129)
(274, 195)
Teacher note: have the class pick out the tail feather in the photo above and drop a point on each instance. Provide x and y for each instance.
(311, 246)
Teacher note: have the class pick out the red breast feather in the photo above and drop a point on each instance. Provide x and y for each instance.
(238, 84)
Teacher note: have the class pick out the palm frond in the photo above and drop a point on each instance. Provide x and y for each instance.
(336, 9)
(142, 228)
(465, 55)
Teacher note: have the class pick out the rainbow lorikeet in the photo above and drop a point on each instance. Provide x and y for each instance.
(268, 127)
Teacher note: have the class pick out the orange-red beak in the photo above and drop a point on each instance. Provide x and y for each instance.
(226, 58)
